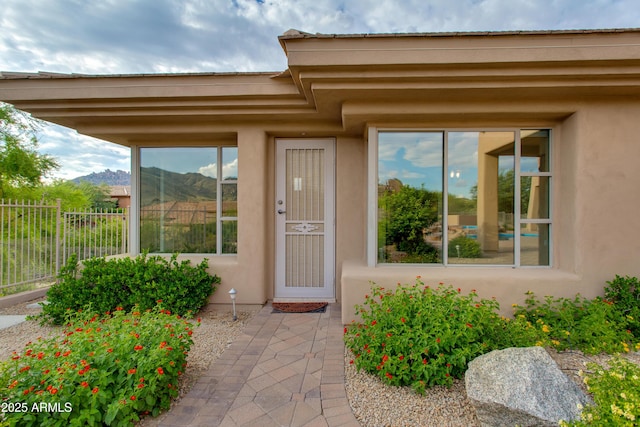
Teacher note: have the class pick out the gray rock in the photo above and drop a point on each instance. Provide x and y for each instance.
(521, 386)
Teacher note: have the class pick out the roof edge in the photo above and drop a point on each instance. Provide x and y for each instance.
(293, 34)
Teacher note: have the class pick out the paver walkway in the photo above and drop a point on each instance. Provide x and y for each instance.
(284, 370)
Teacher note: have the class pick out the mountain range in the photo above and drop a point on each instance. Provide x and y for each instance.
(107, 177)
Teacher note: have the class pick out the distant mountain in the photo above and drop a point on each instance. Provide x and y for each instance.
(108, 177)
(159, 186)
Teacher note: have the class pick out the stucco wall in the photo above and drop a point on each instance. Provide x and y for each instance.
(596, 228)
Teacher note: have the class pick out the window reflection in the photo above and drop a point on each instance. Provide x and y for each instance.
(180, 208)
(410, 197)
(481, 197)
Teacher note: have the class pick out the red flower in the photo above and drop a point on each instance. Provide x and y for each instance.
(469, 325)
(389, 375)
(401, 357)
(132, 398)
(40, 355)
(385, 358)
(131, 371)
(402, 319)
(374, 323)
(54, 390)
(345, 330)
(160, 371)
(138, 347)
(140, 385)
(95, 390)
(57, 354)
(84, 384)
(438, 340)
(424, 361)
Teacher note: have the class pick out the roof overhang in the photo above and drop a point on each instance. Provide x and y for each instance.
(338, 83)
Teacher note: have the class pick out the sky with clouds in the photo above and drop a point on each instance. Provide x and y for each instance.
(148, 36)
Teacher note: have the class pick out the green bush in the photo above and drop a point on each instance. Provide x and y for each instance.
(616, 395)
(591, 326)
(103, 370)
(126, 282)
(624, 292)
(419, 336)
(468, 247)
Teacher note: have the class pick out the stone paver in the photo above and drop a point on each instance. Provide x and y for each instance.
(284, 370)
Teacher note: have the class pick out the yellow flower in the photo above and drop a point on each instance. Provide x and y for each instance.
(555, 342)
(567, 333)
(546, 329)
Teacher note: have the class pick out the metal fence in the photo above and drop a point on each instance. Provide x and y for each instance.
(37, 239)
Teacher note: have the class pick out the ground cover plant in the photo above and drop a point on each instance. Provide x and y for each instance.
(104, 370)
(128, 282)
(420, 336)
(616, 395)
(591, 326)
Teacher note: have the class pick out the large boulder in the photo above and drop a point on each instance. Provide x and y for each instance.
(522, 386)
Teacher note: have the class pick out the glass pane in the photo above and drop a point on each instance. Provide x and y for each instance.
(535, 151)
(229, 200)
(534, 197)
(229, 237)
(410, 170)
(229, 163)
(534, 244)
(481, 185)
(178, 200)
(305, 184)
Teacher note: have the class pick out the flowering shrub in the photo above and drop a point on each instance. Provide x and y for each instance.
(104, 370)
(125, 282)
(421, 336)
(592, 326)
(616, 394)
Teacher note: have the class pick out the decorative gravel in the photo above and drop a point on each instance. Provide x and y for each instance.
(376, 404)
(216, 332)
(373, 403)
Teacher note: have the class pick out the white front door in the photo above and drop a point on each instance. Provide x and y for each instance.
(305, 211)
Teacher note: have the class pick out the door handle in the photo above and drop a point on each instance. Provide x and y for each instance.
(280, 211)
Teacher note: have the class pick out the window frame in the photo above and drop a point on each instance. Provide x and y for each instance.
(372, 195)
(136, 222)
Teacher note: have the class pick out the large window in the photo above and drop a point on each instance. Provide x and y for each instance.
(188, 200)
(497, 208)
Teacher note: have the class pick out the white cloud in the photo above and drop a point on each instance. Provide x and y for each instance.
(147, 36)
(211, 170)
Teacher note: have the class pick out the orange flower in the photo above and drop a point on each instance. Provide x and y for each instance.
(131, 371)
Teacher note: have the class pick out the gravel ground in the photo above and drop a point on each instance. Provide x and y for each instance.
(373, 403)
(376, 404)
(216, 332)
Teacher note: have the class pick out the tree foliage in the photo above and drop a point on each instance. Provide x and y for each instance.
(407, 212)
(21, 165)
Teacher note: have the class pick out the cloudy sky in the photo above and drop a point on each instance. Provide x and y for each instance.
(146, 36)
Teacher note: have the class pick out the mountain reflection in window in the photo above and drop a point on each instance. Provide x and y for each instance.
(181, 209)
